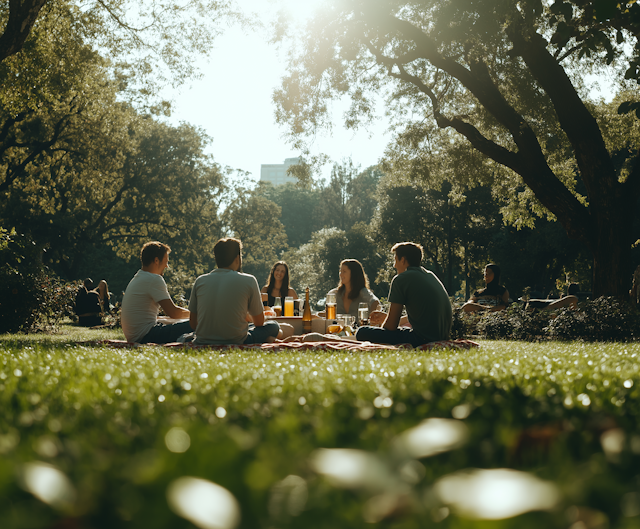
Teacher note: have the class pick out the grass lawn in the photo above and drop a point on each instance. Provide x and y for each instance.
(95, 437)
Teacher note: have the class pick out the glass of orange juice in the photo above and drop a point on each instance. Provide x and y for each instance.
(288, 306)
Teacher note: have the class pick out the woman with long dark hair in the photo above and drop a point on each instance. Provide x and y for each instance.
(493, 297)
(277, 285)
(353, 289)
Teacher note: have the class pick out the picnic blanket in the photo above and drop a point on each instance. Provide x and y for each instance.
(301, 346)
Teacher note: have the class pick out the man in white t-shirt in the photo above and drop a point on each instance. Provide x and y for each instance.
(226, 305)
(145, 295)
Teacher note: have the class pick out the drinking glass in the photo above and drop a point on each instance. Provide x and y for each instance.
(288, 306)
(277, 307)
(330, 307)
(363, 313)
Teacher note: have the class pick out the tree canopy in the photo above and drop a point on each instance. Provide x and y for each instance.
(494, 74)
(150, 43)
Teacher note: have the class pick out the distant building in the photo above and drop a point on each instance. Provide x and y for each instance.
(276, 173)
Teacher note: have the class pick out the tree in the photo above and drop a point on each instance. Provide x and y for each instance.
(255, 220)
(301, 209)
(491, 72)
(150, 42)
(81, 170)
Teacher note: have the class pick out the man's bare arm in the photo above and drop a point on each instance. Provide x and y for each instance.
(258, 319)
(172, 310)
(393, 318)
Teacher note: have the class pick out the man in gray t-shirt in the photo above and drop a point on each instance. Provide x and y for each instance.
(226, 305)
(428, 306)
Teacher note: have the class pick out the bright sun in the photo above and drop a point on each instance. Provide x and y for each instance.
(300, 10)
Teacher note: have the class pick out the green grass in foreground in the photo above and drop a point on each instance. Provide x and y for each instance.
(122, 425)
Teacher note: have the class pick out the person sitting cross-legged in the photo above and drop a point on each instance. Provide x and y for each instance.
(428, 306)
(145, 295)
(493, 297)
(226, 305)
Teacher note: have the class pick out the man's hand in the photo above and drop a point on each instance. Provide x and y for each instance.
(377, 317)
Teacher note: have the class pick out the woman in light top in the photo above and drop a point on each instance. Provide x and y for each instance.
(493, 297)
(278, 284)
(353, 289)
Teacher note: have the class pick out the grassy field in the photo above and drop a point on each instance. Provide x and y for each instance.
(94, 437)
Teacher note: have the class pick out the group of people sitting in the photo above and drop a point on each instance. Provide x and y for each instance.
(494, 296)
(225, 306)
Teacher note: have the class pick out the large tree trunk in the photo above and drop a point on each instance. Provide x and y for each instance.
(610, 245)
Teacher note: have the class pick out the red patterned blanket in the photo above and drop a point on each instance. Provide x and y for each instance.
(304, 346)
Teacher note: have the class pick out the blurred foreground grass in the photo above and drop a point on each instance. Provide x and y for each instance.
(94, 437)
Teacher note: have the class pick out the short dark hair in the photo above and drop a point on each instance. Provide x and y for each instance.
(411, 251)
(573, 290)
(88, 283)
(151, 250)
(226, 250)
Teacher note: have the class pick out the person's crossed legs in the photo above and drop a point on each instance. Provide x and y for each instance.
(267, 333)
(398, 336)
(166, 333)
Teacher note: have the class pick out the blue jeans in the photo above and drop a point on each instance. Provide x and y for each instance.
(166, 333)
(379, 335)
(261, 334)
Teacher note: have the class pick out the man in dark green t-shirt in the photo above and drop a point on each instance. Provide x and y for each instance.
(428, 307)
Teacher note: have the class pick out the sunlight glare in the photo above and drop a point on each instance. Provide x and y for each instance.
(433, 436)
(495, 494)
(203, 503)
(48, 484)
(349, 468)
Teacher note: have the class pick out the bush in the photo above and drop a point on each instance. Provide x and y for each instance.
(603, 319)
(28, 292)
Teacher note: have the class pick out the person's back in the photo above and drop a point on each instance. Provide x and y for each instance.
(140, 304)
(426, 301)
(87, 306)
(224, 301)
(222, 298)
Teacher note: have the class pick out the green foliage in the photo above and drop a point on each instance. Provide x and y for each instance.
(29, 293)
(104, 418)
(603, 319)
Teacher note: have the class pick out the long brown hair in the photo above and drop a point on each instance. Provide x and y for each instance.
(359, 279)
(271, 282)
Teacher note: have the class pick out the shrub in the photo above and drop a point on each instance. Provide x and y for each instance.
(495, 325)
(28, 291)
(603, 319)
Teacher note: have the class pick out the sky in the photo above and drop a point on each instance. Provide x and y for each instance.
(232, 103)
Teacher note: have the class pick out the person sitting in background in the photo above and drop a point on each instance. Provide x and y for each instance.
(278, 285)
(225, 304)
(420, 291)
(87, 306)
(570, 300)
(146, 293)
(493, 297)
(103, 293)
(353, 289)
